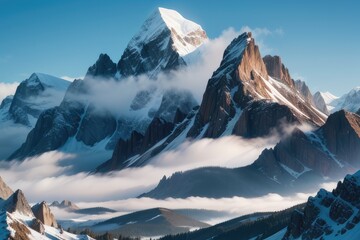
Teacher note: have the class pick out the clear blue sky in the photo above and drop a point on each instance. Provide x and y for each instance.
(320, 39)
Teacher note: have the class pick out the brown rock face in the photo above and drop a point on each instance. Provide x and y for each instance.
(277, 70)
(342, 135)
(17, 203)
(43, 213)
(5, 191)
(37, 225)
(242, 79)
(330, 151)
(234, 84)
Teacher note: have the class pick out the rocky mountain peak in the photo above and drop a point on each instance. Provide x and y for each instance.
(163, 39)
(5, 191)
(44, 214)
(104, 67)
(185, 34)
(65, 204)
(35, 94)
(17, 203)
(304, 91)
(277, 69)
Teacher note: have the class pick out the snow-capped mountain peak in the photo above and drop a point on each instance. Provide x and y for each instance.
(48, 81)
(328, 97)
(162, 43)
(185, 34)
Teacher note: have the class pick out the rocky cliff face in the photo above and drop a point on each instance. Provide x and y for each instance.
(329, 215)
(304, 91)
(277, 70)
(342, 136)
(43, 213)
(243, 78)
(330, 151)
(17, 203)
(138, 144)
(227, 88)
(104, 67)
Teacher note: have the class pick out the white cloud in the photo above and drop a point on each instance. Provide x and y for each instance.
(227, 207)
(55, 183)
(7, 89)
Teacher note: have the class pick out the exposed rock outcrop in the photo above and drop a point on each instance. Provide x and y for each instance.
(104, 68)
(37, 225)
(330, 151)
(304, 91)
(17, 203)
(342, 136)
(321, 212)
(43, 213)
(174, 107)
(277, 69)
(260, 118)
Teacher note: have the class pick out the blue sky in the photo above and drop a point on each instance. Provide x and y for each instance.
(317, 40)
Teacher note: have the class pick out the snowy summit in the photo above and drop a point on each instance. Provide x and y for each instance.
(186, 35)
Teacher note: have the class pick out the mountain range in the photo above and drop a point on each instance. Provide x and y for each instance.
(248, 96)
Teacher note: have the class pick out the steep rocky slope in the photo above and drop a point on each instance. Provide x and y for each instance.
(329, 215)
